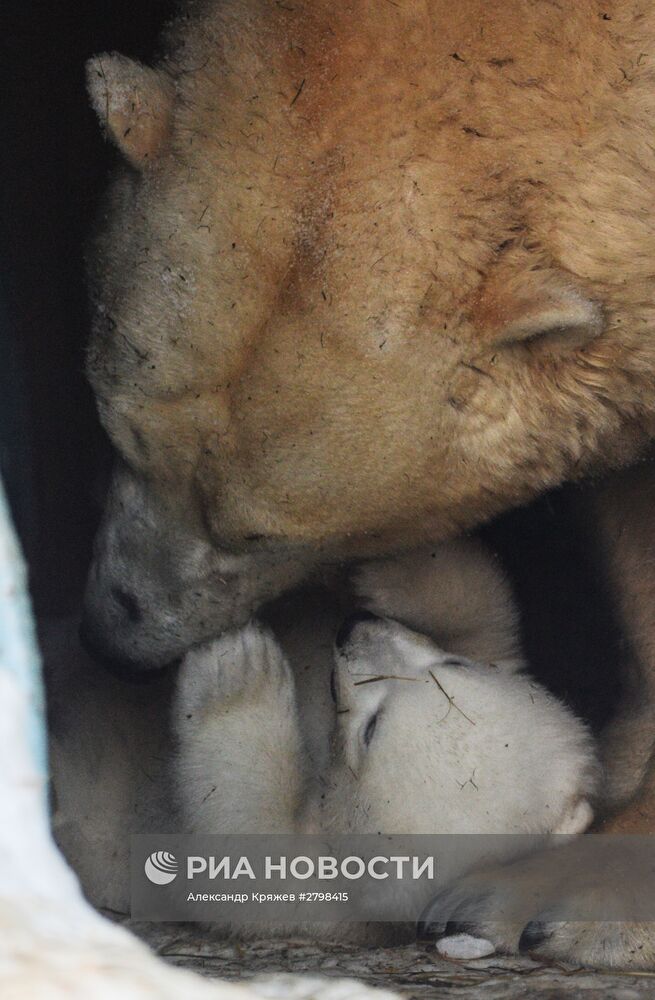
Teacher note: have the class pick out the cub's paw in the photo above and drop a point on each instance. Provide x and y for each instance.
(246, 664)
(578, 904)
(425, 588)
(387, 587)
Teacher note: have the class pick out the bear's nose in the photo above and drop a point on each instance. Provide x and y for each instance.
(348, 626)
(128, 603)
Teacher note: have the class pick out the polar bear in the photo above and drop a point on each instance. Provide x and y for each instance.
(319, 335)
(423, 740)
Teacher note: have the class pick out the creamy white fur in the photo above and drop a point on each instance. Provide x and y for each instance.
(460, 747)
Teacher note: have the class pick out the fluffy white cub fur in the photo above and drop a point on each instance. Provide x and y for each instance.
(437, 729)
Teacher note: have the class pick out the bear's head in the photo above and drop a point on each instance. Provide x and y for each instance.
(367, 278)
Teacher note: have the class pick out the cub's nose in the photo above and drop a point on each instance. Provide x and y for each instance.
(349, 625)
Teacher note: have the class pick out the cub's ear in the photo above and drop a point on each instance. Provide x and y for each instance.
(524, 303)
(576, 819)
(134, 104)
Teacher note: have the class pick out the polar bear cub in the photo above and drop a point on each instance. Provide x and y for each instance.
(436, 727)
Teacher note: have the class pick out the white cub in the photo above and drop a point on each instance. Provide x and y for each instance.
(435, 728)
(430, 742)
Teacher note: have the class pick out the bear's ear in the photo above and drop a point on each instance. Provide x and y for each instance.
(134, 104)
(523, 303)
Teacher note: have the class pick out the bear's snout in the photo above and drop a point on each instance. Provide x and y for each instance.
(128, 603)
(124, 669)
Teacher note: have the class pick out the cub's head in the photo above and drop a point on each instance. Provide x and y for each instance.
(431, 743)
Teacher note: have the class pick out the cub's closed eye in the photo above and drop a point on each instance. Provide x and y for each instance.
(370, 729)
(453, 661)
(333, 685)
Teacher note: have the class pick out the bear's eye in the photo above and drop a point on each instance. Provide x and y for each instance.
(333, 685)
(370, 729)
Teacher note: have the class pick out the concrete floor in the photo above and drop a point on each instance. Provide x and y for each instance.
(409, 971)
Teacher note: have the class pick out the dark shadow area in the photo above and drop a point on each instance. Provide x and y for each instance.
(570, 634)
(53, 166)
